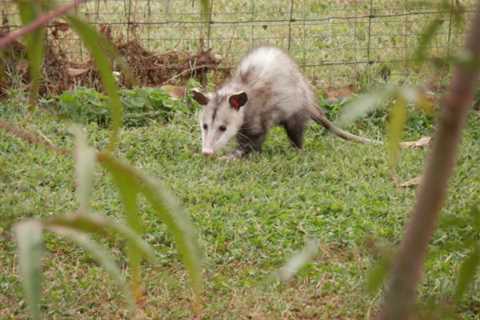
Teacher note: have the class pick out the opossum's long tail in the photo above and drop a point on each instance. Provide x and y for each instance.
(319, 117)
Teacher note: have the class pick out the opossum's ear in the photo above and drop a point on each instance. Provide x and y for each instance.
(238, 100)
(200, 97)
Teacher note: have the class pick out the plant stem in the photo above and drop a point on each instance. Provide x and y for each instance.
(400, 295)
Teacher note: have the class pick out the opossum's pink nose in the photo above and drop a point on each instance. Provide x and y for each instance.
(207, 152)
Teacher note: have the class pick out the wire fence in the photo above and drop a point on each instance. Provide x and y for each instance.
(335, 42)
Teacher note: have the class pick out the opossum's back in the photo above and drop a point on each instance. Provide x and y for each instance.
(268, 63)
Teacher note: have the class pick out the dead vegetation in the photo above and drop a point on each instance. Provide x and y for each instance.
(148, 68)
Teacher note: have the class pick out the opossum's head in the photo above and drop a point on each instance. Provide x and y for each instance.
(220, 119)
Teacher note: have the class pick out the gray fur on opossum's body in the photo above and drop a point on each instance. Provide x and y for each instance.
(277, 94)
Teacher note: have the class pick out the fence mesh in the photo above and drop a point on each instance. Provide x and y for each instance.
(336, 42)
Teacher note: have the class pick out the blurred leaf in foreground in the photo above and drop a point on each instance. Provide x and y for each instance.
(29, 248)
(85, 159)
(468, 269)
(298, 261)
(102, 51)
(396, 124)
(29, 11)
(364, 104)
(167, 209)
(101, 255)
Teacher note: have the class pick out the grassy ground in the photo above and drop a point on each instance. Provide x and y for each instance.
(251, 216)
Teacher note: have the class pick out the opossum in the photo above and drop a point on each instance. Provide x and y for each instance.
(267, 89)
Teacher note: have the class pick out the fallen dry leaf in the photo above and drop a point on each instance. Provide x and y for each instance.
(335, 94)
(422, 142)
(174, 92)
(74, 72)
(412, 182)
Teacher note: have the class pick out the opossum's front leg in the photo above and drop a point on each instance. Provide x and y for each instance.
(248, 142)
(236, 154)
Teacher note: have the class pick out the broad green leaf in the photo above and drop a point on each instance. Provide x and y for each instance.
(94, 223)
(85, 158)
(299, 260)
(102, 51)
(425, 38)
(29, 11)
(29, 250)
(396, 124)
(467, 272)
(168, 210)
(101, 255)
(365, 103)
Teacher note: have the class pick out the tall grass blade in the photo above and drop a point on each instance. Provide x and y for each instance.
(168, 210)
(129, 193)
(29, 249)
(102, 256)
(103, 52)
(35, 41)
(173, 215)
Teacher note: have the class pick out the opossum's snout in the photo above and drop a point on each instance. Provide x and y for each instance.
(220, 120)
(214, 138)
(207, 151)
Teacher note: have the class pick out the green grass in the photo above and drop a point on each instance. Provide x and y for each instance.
(251, 216)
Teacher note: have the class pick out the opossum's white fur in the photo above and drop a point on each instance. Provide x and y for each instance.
(267, 89)
(275, 70)
(275, 88)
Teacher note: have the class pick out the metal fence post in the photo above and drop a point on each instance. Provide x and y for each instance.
(252, 27)
(129, 19)
(210, 22)
(405, 37)
(290, 20)
(449, 36)
(369, 61)
(304, 58)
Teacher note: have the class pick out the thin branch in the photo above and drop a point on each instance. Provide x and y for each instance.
(400, 295)
(41, 21)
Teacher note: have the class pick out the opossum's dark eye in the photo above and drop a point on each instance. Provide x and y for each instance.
(222, 128)
(205, 127)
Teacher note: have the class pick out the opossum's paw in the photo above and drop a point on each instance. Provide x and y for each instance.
(237, 154)
(228, 158)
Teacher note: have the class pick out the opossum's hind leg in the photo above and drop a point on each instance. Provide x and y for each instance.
(295, 127)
